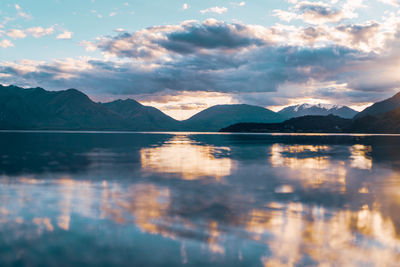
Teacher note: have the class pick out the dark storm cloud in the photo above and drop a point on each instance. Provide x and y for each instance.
(319, 10)
(210, 36)
(188, 37)
(216, 56)
(361, 33)
(259, 70)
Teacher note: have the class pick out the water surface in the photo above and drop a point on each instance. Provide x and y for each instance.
(171, 199)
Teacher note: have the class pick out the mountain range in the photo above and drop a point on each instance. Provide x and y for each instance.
(71, 109)
(38, 109)
(381, 107)
(381, 117)
(212, 118)
(304, 124)
(319, 109)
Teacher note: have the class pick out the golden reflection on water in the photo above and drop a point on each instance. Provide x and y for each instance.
(327, 239)
(188, 159)
(145, 205)
(66, 190)
(343, 236)
(297, 229)
(289, 230)
(148, 206)
(360, 158)
(214, 238)
(311, 166)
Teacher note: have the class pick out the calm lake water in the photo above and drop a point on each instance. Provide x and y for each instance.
(136, 199)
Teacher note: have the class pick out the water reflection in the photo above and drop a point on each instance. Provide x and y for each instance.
(311, 165)
(282, 203)
(184, 157)
(360, 157)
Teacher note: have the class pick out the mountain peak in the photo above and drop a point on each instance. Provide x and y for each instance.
(381, 107)
(317, 109)
(128, 101)
(219, 116)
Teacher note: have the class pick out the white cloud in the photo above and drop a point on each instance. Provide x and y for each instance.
(6, 43)
(237, 4)
(391, 2)
(89, 46)
(38, 32)
(21, 13)
(96, 13)
(16, 34)
(320, 12)
(185, 6)
(216, 9)
(112, 14)
(65, 35)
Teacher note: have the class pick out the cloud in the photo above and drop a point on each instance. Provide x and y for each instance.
(319, 12)
(361, 35)
(38, 32)
(96, 13)
(89, 46)
(112, 14)
(6, 43)
(261, 70)
(185, 6)
(16, 33)
(238, 4)
(164, 42)
(395, 3)
(66, 35)
(216, 9)
(268, 65)
(22, 13)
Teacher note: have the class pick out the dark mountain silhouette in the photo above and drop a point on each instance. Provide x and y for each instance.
(217, 117)
(38, 109)
(70, 109)
(320, 109)
(388, 122)
(381, 117)
(305, 124)
(381, 107)
(145, 117)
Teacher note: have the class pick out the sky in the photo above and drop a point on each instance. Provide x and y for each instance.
(185, 56)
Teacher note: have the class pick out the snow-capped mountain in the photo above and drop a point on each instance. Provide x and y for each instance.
(319, 109)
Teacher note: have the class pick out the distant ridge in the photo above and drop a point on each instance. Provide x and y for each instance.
(304, 124)
(219, 116)
(148, 118)
(319, 109)
(38, 109)
(382, 117)
(381, 107)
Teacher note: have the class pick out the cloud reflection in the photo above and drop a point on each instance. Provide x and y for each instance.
(187, 159)
(343, 237)
(317, 207)
(310, 165)
(360, 158)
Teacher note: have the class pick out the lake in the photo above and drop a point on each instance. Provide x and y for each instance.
(182, 199)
